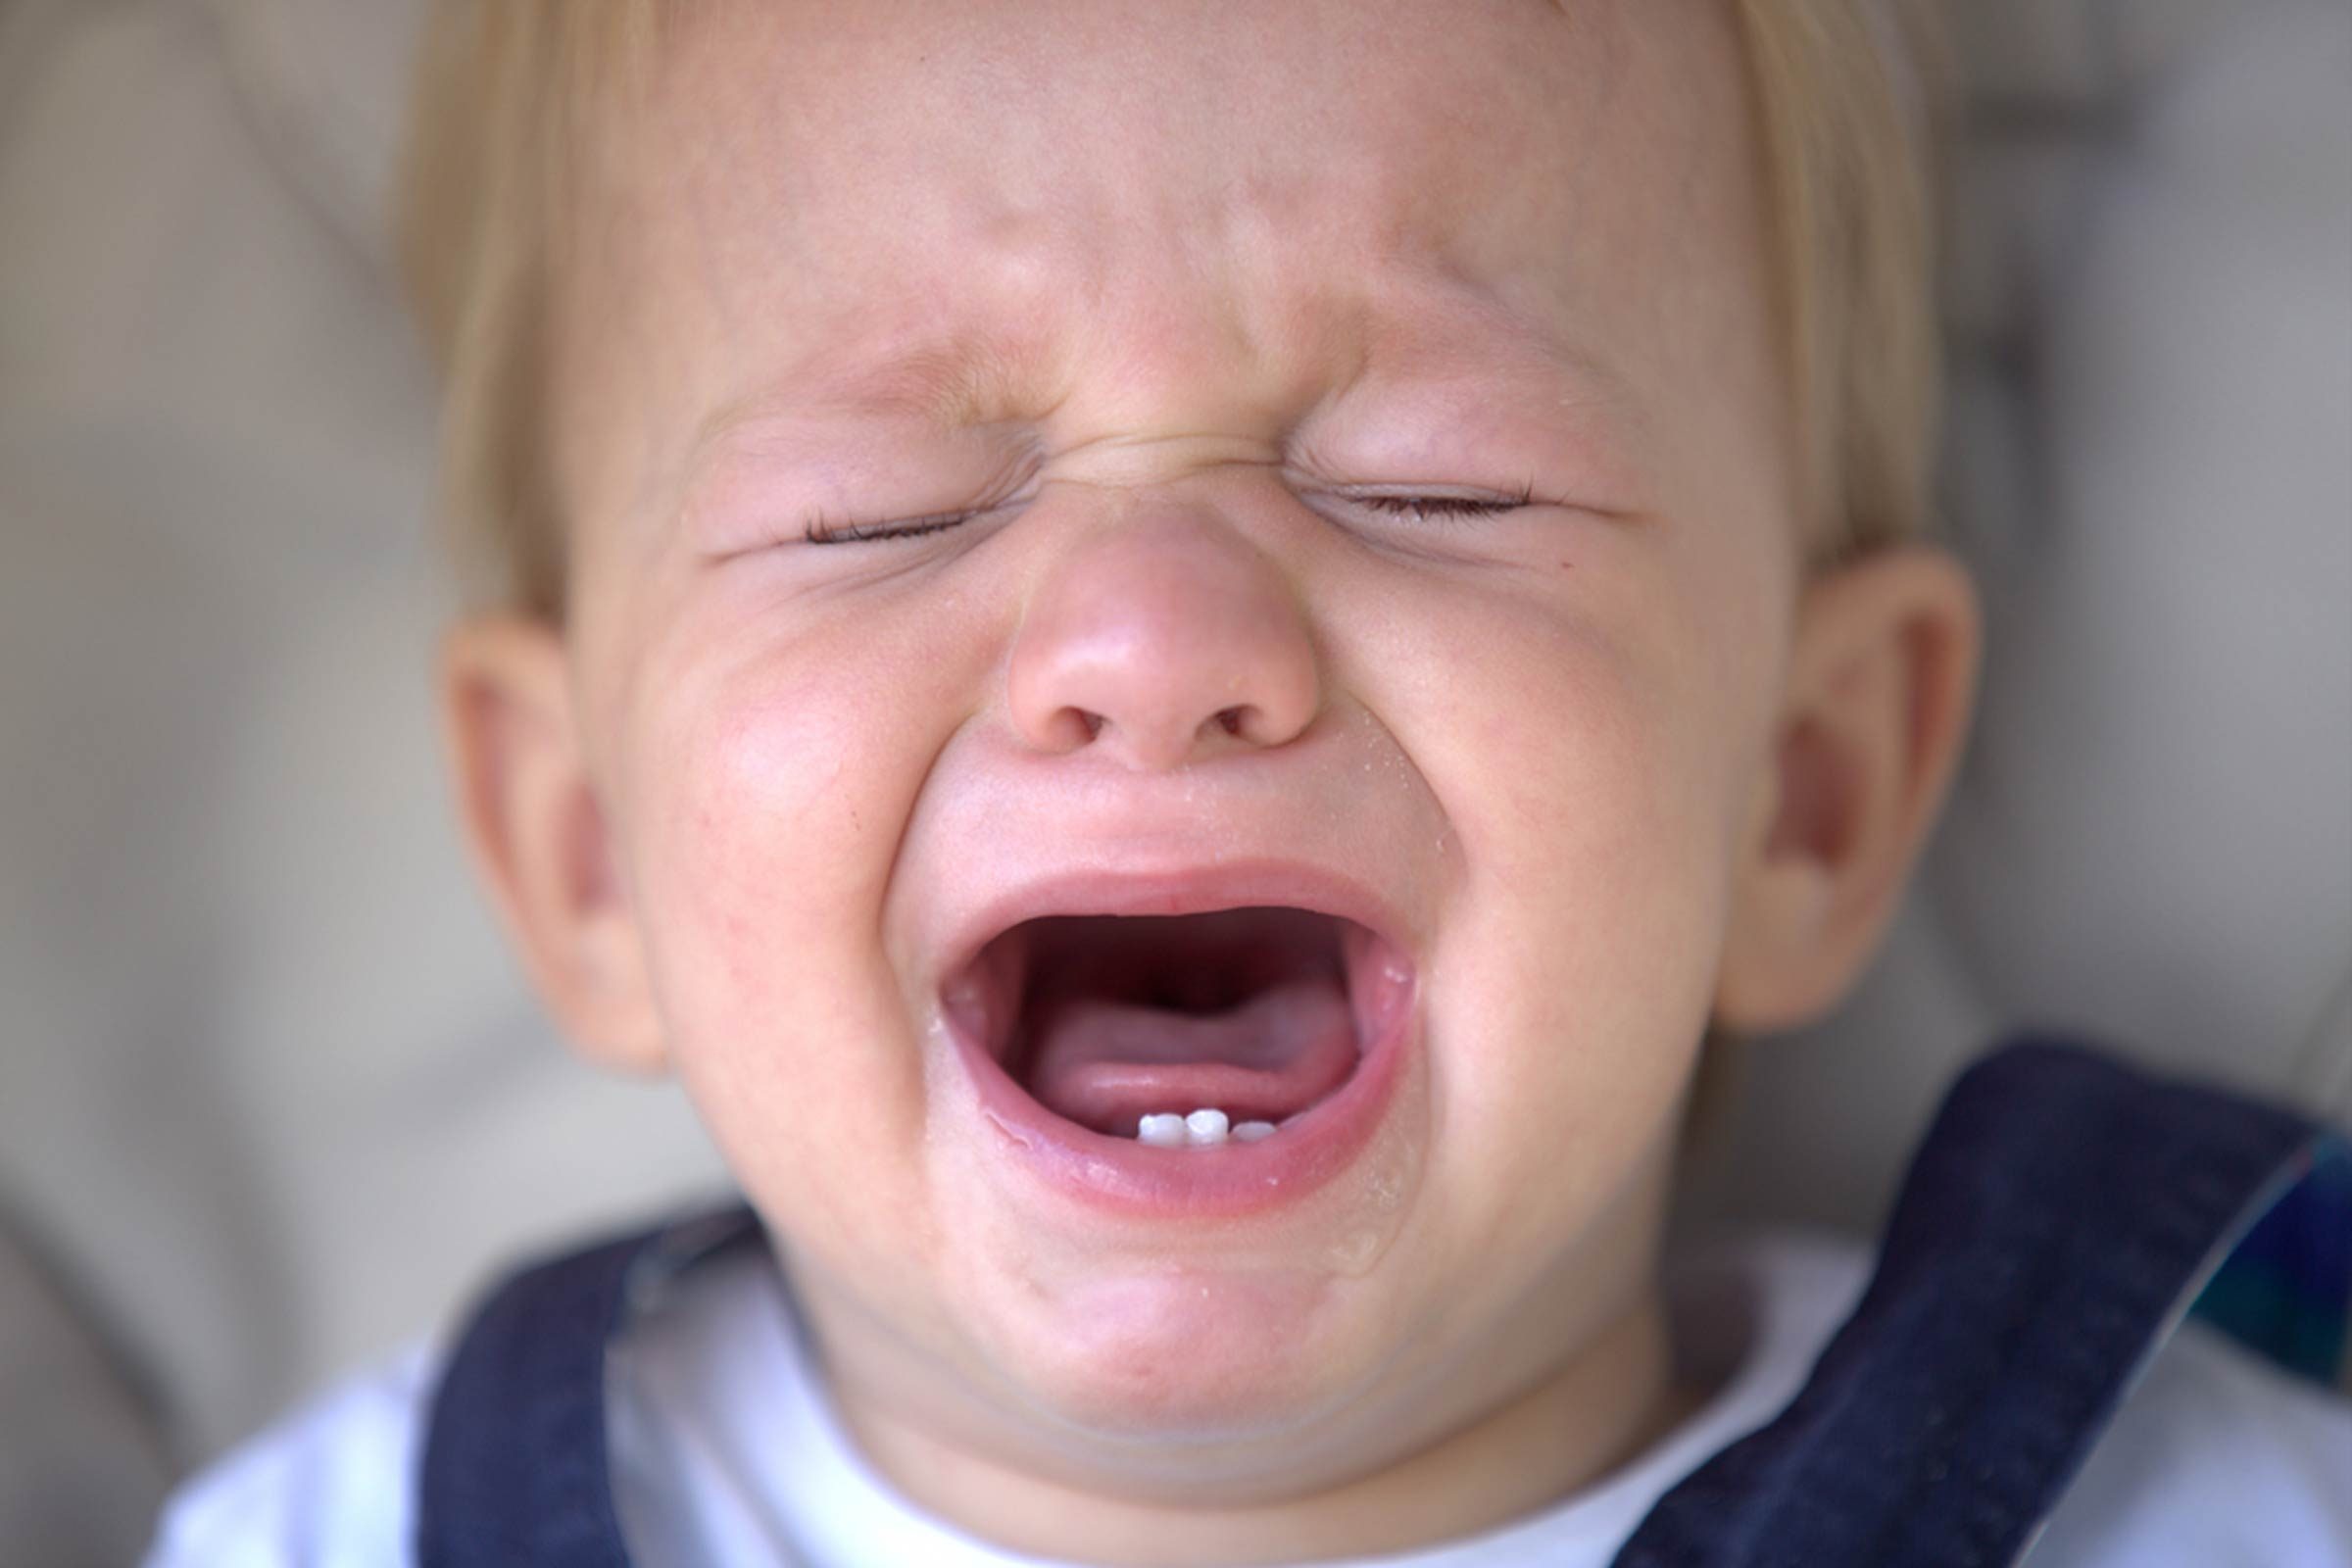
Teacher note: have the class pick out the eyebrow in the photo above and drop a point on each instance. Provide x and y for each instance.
(950, 381)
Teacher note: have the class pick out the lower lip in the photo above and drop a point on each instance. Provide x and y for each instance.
(1133, 1180)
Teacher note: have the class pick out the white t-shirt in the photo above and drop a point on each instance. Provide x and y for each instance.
(727, 1449)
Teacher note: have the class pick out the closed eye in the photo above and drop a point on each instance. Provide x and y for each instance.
(1410, 507)
(821, 531)
(1414, 508)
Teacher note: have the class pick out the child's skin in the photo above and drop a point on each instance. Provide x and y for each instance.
(1179, 289)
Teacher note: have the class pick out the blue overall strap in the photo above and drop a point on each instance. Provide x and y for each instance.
(515, 1471)
(2058, 1224)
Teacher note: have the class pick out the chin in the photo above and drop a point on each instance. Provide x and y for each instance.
(1187, 1356)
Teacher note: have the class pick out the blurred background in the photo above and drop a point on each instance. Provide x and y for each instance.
(272, 1097)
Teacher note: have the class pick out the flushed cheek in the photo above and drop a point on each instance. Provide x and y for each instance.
(763, 815)
(1567, 1013)
(1570, 986)
(1609, 866)
(1580, 766)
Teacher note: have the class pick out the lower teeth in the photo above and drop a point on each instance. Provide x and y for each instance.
(1203, 1129)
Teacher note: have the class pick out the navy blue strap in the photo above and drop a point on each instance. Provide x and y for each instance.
(517, 1471)
(2056, 1226)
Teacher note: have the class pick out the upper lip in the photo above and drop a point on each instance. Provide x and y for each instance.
(1175, 890)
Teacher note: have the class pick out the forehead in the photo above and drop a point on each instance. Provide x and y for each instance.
(967, 209)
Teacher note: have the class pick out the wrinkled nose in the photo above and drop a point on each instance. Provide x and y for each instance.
(1162, 640)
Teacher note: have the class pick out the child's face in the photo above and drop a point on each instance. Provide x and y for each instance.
(1180, 304)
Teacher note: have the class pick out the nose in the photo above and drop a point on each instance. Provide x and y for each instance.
(1163, 639)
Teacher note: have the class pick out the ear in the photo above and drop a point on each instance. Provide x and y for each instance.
(538, 835)
(1882, 677)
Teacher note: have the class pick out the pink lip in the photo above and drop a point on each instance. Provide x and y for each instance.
(1133, 1180)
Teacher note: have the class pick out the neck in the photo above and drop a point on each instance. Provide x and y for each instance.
(1603, 1405)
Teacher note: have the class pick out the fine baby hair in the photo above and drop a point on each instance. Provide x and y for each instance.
(513, 102)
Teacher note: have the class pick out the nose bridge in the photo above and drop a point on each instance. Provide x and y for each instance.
(1162, 636)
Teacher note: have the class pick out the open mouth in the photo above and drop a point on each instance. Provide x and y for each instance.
(1182, 1031)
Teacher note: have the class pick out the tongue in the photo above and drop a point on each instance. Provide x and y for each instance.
(1105, 1064)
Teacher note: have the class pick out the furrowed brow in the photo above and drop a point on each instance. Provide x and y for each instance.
(947, 384)
(947, 387)
(954, 384)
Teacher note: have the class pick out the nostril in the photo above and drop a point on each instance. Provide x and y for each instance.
(1068, 729)
(1156, 644)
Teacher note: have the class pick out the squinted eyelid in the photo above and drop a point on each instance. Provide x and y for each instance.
(775, 480)
(750, 486)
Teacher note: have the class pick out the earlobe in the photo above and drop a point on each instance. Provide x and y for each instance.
(1882, 677)
(537, 829)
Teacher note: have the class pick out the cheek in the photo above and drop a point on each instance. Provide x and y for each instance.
(1602, 911)
(765, 798)
(1591, 762)
(758, 828)
(1588, 748)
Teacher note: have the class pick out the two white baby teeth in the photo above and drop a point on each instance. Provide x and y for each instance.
(1203, 1129)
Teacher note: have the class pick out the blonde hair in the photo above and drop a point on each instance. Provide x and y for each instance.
(509, 94)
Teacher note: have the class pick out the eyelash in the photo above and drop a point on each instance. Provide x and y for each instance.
(1410, 507)
(820, 532)
(1448, 509)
